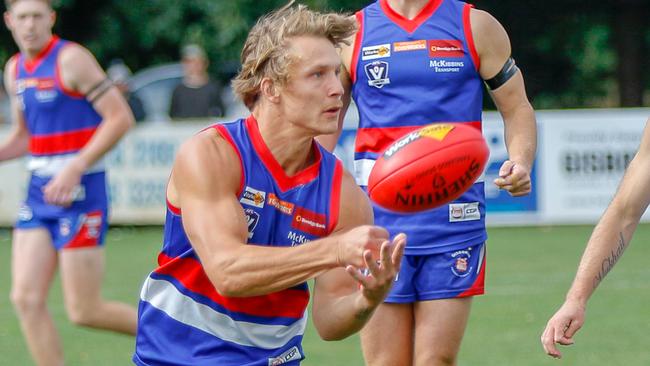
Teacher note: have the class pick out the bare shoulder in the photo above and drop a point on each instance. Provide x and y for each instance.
(355, 208)
(9, 74)
(79, 68)
(491, 41)
(207, 161)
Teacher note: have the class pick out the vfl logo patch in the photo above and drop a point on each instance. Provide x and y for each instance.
(377, 73)
(441, 48)
(253, 197)
(252, 218)
(292, 354)
(460, 265)
(373, 52)
(309, 222)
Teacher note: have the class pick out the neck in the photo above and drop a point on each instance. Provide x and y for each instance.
(290, 148)
(409, 9)
(195, 81)
(31, 54)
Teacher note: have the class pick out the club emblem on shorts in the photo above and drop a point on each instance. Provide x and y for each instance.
(461, 266)
(64, 226)
(377, 73)
(25, 213)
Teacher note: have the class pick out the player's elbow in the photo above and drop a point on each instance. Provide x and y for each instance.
(329, 334)
(226, 279)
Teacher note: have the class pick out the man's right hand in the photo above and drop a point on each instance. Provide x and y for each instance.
(352, 244)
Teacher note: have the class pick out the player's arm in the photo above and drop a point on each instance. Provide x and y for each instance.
(81, 73)
(17, 142)
(204, 183)
(507, 89)
(344, 302)
(329, 141)
(610, 238)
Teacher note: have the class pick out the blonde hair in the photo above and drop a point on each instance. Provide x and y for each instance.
(265, 52)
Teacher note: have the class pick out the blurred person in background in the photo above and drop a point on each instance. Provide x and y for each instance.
(197, 96)
(119, 73)
(67, 116)
(610, 238)
(412, 63)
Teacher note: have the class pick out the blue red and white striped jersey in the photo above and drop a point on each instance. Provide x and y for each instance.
(183, 320)
(407, 74)
(60, 121)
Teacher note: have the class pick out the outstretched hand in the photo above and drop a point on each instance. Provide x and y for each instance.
(377, 281)
(514, 178)
(561, 328)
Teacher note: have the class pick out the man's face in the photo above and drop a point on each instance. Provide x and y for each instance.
(311, 97)
(30, 23)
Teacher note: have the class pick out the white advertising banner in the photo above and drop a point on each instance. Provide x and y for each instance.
(582, 155)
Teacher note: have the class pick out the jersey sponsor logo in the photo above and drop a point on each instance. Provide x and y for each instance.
(377, 73)
(410, 46)
(292, 354)
(436, 131)
(45, 96)
(252, 218)
(282, 206)
(460, 265)
(445, 48)
(464, 212)
(446, 66)
(309, 222)
(374, 52)
(253, 197)
(296, 238)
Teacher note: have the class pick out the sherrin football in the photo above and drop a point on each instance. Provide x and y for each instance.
(428, 167)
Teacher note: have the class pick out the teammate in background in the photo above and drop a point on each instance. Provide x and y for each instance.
(66, 116)
(412, 63)
(245, 197)
(609, 240)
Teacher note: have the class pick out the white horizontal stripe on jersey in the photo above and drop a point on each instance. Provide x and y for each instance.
(165, 296)
(48, 166)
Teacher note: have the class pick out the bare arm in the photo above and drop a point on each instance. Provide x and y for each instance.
(344, 302)
(17, 143)
(493, 47)
(204, 184)
(610, 238)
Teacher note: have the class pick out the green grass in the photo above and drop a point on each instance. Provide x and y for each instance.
(529, 270)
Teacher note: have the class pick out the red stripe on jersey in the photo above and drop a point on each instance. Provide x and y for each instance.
(335, 197)
(284, 182)
(289, 303)
(60, 143)
(173, 209)
(376, 139)
(478, 287)
(410, 25)
(223, 131)
(468, 36)
(358, 39)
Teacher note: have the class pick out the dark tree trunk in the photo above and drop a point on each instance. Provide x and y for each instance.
(631, 20)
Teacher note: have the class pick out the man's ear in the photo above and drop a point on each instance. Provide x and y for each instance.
(269, 90)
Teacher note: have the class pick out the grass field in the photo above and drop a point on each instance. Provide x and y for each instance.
(529, 270)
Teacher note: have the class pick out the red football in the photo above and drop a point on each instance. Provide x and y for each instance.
(428, 167)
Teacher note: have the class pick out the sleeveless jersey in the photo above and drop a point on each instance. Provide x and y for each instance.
(407, 74)
(60, 123)
(183, 320)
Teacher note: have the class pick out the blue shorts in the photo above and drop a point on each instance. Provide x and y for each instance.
(446, 275)
(83, 224)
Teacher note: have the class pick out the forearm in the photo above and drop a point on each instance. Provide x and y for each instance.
(15, 146)
(252, 270)
(521, 134)
(608, 241)
(108, 133)
(343, 317)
